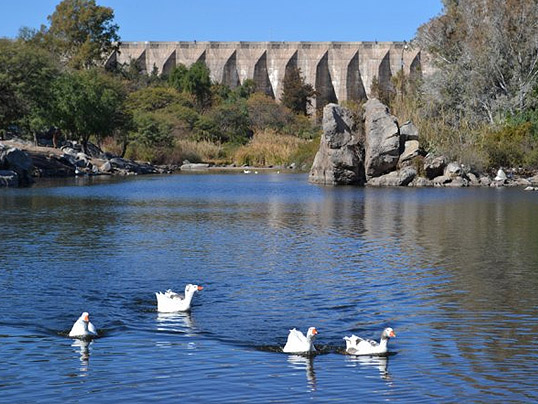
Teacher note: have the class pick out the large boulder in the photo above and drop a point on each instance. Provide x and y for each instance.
(399, 178)
(411, 150)
(339, 160)
(382, 146)
(16, 160)
(434, 166)
(453, 169)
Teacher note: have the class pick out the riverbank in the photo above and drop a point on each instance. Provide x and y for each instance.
(22, 161)
(34, 162)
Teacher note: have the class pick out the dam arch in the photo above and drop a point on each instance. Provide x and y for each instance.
(339, 71)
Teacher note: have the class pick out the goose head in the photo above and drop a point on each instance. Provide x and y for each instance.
(85, 317)
(311, 333)
(190, 289)
(388, 333)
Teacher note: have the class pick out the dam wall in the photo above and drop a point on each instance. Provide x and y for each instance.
(339, 71)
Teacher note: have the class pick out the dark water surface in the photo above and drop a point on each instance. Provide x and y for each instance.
(454, 272)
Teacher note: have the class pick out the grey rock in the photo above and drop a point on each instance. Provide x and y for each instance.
(106, 167)
(453, 169)
(411, 150)
(69, 150)
(18, 160)
(457, 182)
(81, 163)
(485, 181)
(523, 182)
(534, 180)
(399, 178)
(82, 156)
(15, 159)
(420, 182)
(194, 166)
(382, 146)
(441, 180)
(473, 179)
(434, 166)
(408, 131)
(339, 160)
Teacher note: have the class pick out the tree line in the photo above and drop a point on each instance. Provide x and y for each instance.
(479, 105)
(56, 77)
(481, 102)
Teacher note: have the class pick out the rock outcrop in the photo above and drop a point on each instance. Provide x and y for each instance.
(382, 145)
(391, 155)
(339, 159)
(16, 167)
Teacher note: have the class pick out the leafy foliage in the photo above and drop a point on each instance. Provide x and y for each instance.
(194, 80)
(26, 75)
(53, 76)
(487, 58)
(82, 33)
(88, 103)
(296, 92)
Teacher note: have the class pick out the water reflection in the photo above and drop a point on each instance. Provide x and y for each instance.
(305, 363)
(369, 362)
(83, 347)
(180, 322)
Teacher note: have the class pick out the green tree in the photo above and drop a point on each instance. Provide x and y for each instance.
(177, 77)
(198, 82)
(227, 122)
(296, 92)
(89, 103)
(82, 33)
(155, 98)
(151, 131)
(26, 76)
(246, 89)
(194, 80)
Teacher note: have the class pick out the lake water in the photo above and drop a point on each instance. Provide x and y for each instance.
(453, 271)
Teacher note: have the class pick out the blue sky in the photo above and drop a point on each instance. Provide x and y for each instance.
(244, 20)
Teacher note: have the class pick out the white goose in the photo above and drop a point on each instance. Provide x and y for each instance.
(169, 301)
(358, 346)
(298, 343)
(83, 328)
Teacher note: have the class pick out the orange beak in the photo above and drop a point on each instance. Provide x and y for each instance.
(200, 287)
(392, 334)
(314, 331)
(87, 317)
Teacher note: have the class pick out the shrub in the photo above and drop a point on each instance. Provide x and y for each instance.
(511, 145)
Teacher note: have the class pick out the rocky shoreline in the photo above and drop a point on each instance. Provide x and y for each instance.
(383, 153)
(21, 162)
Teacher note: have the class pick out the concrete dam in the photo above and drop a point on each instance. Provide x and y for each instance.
(339, 71)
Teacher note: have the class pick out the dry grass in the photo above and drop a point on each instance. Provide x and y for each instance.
(195, 152)
(267, 148)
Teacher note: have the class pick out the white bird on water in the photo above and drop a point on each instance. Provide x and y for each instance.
(83, 328)
(359, 346)
(298, 343)
(169, 302)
